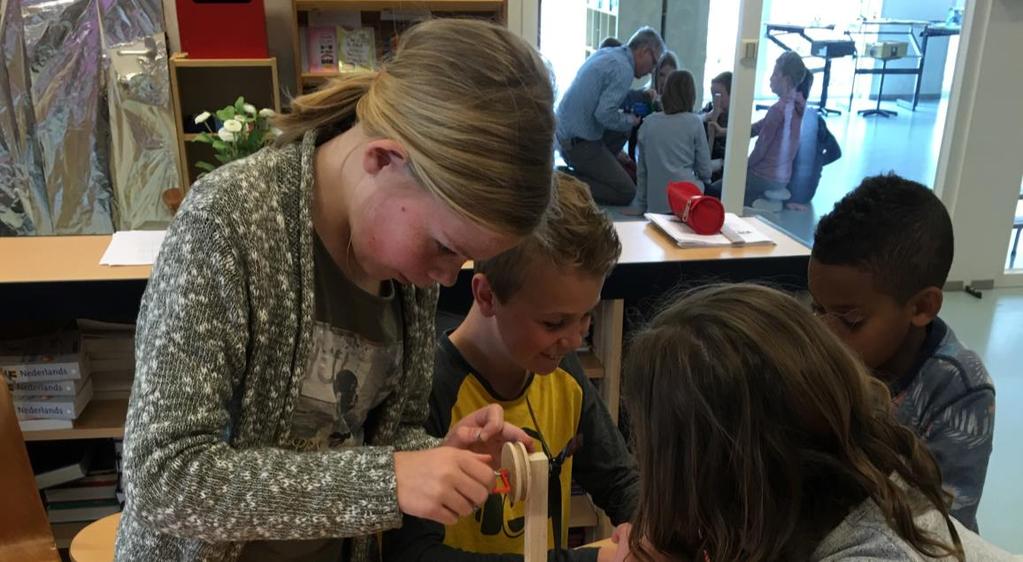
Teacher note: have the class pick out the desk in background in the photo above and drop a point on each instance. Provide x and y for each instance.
(826, 43)
(902, 28)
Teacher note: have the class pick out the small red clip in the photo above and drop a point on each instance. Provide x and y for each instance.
(503, 483)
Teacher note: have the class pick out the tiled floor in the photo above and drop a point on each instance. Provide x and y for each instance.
(993, 327)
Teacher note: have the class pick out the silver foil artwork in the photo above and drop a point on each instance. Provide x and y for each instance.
(143, 140)
(21, 182)
(86, 131)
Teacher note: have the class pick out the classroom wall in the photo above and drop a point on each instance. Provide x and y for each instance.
(981, 160)
(633, 14)
(685, 30)
(686, 34)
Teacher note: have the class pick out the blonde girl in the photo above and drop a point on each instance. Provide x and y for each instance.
(285, 340)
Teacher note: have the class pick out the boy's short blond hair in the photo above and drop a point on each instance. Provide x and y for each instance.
(576, 235)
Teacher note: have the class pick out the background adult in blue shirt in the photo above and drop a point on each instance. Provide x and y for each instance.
(591, 108)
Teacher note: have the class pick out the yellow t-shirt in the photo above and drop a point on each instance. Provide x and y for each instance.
(557, 402)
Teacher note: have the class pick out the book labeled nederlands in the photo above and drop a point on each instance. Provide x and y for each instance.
(67, 388)
(48, 358)
(54, 406)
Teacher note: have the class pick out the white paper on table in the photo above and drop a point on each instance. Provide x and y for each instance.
(133, 247)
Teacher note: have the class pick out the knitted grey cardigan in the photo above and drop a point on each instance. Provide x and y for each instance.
(223, 339)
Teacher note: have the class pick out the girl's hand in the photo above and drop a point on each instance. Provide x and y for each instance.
(485, 432)
(442, 484)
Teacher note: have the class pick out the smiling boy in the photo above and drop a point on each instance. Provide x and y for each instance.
(531, 310)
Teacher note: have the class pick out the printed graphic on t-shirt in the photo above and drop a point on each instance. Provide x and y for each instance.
(347, 377)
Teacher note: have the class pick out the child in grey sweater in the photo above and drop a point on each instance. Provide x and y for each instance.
(672, 146)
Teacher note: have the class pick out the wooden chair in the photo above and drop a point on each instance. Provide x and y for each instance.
(25, 533)
(95, 543)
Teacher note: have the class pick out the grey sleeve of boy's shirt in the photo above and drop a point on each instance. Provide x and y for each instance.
(959, 435)
(603, 465)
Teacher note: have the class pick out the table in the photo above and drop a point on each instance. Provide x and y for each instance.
(904, 27)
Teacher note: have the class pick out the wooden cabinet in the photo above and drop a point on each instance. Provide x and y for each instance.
(387, 18)
(199, 85)
(63, 276)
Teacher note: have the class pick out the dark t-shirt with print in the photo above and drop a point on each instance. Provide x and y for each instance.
(355, 365)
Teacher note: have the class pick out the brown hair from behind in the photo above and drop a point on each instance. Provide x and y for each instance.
(679, 92)
(756, 432)
(473, 106)
(577, 235)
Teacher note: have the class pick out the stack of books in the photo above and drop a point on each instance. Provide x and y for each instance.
(49, 379)
(109, 350)
(78, 481)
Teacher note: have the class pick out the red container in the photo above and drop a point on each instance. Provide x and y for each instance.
(703, 213)
(222, 29)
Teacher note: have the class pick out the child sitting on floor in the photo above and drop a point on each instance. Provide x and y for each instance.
(672, 147)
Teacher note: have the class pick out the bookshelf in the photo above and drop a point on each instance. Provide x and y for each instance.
(198, 85)
(387, 18)
(601, 22)
(64, 264)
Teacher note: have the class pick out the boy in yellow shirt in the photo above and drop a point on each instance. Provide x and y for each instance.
(531, 310)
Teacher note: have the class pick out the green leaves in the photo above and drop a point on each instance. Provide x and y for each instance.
(226, 113)
(231, 143)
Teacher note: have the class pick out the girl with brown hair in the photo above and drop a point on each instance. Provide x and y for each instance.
(285, 341)
(672, 146)
(759, 437)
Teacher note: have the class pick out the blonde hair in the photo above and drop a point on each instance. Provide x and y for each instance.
(577, 235)
(472, 105)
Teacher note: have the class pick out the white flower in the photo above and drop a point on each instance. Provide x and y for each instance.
(233, 125)
(202, 117)
(249, 108)
(225, 135)
(266, 112)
